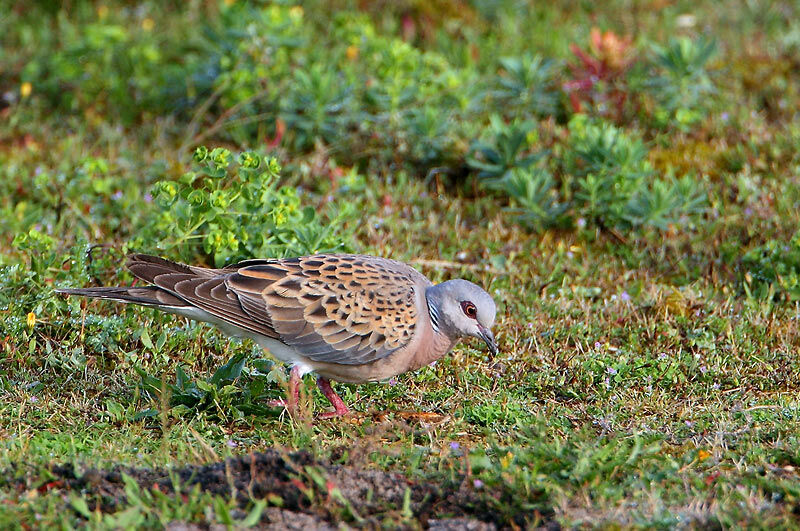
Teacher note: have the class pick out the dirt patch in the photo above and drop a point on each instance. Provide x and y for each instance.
(309, 493)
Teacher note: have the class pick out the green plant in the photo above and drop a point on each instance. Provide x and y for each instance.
(233, 211)
(507, 147)
(600, 148)
(117, 63)
(607, 180)
(605, 167)
(773, 270)
(150, 507)
(526, 86)
(234, 390)
(535, 192)
(682, 86)
(666, 202)
(319, 107)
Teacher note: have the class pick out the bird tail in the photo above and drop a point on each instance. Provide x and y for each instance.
(148, 267)
(146, 295)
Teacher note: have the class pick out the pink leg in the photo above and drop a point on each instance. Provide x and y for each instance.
(338, 404)
(293, 393)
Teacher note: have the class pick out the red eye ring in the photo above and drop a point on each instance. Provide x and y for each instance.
(469, 309)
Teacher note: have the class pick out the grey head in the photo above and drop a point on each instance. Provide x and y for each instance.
(459, 308)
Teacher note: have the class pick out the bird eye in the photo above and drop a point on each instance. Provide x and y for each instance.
(469, 309)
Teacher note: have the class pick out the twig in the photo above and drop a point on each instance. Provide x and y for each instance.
(221, 121)
(191, 129)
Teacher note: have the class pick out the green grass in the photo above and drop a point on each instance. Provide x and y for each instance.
(647, 377)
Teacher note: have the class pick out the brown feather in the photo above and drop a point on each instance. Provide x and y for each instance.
(345, 309)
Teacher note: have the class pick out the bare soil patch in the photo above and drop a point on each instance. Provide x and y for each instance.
(302, 493)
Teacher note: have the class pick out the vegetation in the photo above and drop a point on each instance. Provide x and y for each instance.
(622, 177)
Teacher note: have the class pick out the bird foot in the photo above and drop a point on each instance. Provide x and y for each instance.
(292, 399)
(339, 407)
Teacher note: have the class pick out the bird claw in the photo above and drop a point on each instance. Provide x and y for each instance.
(338, 412)
(293, 392)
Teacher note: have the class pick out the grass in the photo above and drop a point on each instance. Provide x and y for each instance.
(641, 381)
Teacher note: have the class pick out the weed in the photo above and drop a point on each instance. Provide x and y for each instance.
(773, 270)
(234, 211)
(682, 86)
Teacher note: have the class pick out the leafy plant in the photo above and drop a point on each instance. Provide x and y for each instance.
(665, 202)
(507, 148)
(773, 270)
(607, 180)
(234, 211)
(598, 81)
(526, 86)
(233, 390)
(682, 86)
(536, 195)
(605, 167)
(319, 107)
(598, 147)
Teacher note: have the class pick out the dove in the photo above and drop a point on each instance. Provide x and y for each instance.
(345, 317)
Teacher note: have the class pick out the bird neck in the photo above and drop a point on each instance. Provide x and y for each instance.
(443, 338)
(432, 301)
(432, 342)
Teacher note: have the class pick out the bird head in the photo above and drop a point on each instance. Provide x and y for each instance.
(460, 308)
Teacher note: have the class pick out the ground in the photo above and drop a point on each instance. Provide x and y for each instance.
(648, 365)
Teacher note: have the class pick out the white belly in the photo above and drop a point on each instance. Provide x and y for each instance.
(280, 351)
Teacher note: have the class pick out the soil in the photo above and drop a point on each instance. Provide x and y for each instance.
(304, 491)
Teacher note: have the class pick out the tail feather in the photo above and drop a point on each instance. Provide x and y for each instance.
(147, 295)
(148, 267)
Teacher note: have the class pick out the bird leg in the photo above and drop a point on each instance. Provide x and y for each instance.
(292, 399)
(338, 404)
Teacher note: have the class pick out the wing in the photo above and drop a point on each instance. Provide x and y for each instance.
(345, 309)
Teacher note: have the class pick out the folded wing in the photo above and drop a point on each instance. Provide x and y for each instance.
(345, 309)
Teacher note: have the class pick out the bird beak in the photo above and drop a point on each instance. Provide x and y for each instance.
(487, 336)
